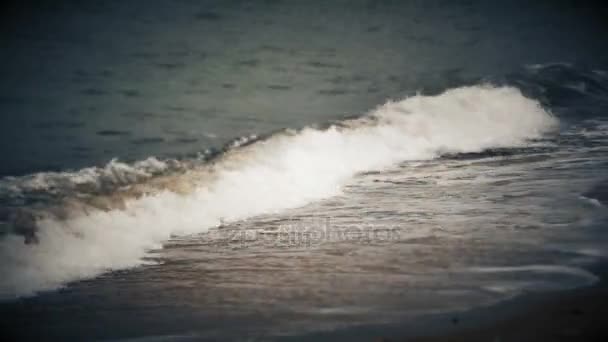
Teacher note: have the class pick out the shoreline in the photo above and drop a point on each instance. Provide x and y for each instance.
(570, 315)
(579, 314)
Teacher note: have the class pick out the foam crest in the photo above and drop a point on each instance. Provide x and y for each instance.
(88, 180)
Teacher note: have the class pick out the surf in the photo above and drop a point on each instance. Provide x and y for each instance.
(83, 233)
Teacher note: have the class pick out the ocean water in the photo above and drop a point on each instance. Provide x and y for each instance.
(258, 170)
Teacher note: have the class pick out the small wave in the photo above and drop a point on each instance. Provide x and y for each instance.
(538, 269)
(88, 180)
(572, 90)
(597, 195)
(541, 66)
(574, 277)
(592, 201)
(255, 176)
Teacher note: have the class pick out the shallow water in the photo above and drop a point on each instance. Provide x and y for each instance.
(224, 217)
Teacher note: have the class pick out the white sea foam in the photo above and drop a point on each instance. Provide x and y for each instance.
(113, 174)
(284, 171)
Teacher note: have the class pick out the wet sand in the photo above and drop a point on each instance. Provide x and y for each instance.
(574, 315)
(571, 315)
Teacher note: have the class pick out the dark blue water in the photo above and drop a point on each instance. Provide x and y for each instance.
(85, 83)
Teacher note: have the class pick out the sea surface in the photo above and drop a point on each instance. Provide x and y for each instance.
(260, 170)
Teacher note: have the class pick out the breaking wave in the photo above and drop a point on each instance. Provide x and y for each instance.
(89, 229)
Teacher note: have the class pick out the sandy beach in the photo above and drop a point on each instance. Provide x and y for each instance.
(575, 315)
(570, 315)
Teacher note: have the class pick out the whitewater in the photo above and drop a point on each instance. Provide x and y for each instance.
(151, 201)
